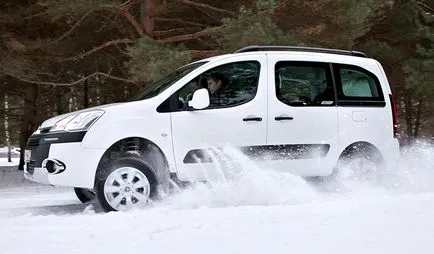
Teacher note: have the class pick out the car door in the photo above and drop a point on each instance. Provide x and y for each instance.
(236, 120)
(302, 115)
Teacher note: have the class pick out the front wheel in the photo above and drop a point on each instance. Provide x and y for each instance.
(125, 184)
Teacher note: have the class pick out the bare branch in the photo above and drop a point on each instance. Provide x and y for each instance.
(170, 31)
(208, 7)
(133, 22)
(40, 14)
(6, 18)
(73, 27)
(203, 53)
(180, 21)
(129, 3)
(5, 57)
(188, 37)
(124, 8)
(105, 45)
(425, 6)
(95, 74)
(275, 7)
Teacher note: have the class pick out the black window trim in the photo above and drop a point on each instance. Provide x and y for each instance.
(173, 99)
(335, 89)
(329, 74)
(361, 103)
(353, 101)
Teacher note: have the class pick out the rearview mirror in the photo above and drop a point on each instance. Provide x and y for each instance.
(200, 99)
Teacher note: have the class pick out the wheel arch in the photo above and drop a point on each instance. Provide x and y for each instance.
(139, 148)
(360, 147)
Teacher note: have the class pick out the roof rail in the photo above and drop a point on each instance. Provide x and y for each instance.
(304, 49)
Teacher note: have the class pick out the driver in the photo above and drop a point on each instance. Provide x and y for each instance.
(217, 88)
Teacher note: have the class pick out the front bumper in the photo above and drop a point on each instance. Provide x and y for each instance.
(80, 163)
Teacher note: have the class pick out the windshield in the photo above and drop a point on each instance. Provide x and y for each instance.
(160, 85)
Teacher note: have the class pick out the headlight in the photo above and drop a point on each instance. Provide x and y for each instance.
(60, 125)
(79, 122)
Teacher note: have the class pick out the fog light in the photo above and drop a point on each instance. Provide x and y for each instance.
(53, 166)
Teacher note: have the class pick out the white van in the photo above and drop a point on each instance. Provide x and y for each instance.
(297, 109)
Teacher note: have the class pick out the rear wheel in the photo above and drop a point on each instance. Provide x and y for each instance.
(361, 163)
(125, 184)
(84, 195)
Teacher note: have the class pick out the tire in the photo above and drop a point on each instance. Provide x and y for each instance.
(360, 163)
(347, 172)
(84, 195)
(125, 184)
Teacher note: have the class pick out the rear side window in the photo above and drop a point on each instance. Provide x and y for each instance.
(304, 84)
(357, 86)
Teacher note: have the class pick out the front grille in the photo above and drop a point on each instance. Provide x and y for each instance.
(33, 142)
(39, 154)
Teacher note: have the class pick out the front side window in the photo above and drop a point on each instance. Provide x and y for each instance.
(228, 85)
(304, 84)
(159, 86)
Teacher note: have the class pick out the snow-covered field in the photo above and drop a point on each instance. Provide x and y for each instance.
(252, 210)
(4, 162)
(4, 150)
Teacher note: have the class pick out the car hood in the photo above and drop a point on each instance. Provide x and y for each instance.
(52, 121)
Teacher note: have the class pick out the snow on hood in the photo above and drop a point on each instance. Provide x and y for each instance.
(50, 122)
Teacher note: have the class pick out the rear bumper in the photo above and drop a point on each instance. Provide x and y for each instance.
(80, 163)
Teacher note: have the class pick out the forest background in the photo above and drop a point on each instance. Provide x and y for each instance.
(58, 56)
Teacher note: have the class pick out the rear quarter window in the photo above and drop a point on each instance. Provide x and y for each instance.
(357, 86)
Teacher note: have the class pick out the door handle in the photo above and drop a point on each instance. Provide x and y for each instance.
(258, 119)
(281, 118)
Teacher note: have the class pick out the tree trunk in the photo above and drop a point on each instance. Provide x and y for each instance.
(98, 99)
(6, 123)
(86, 94)
(408, 116)
(417, 120)
(71, 101)
(59, 108)
(126, 92)
(9, 153)
(147, 12)
(29, 123)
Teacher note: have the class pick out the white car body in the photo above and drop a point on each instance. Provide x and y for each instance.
(333, 128)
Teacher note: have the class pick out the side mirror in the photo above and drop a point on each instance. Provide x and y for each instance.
(200, 99)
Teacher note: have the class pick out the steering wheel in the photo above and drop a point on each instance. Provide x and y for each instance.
(181, 102)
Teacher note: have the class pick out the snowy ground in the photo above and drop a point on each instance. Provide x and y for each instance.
(4, 162)
(4, 151)
(259, 212)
